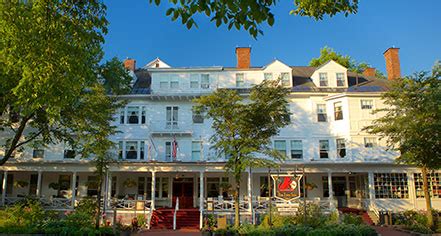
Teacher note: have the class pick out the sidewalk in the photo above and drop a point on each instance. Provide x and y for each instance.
(388, 231)
(186, 232)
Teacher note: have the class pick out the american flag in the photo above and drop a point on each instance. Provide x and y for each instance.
(174, 148)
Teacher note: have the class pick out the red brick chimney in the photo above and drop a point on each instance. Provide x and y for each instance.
(243, 57)
(369, 72)
(130, 64)
(392, 63)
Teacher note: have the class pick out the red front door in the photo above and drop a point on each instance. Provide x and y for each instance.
(183, 189)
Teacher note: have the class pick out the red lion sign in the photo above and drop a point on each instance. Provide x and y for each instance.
(287, 187)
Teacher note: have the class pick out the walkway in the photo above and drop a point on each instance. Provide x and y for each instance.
(389, 231)
(186, 232)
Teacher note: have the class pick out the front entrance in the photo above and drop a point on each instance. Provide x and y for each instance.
(183, 189)
(339, 188)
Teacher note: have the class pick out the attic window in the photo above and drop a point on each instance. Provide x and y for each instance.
(157, 65)
(323, 79)
(285, 79)
(340, 79)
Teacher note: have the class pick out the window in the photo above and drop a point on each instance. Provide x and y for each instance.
(120, 150)
(370, 142)
(163, 83)
(324, 148)
(321, 113)
(194, 81)
(205, 81)
(38, 153)
(267, 76)
(121, 116)
(141, 186)
(133, 114)
(161, 187)
(33, 182)
(174, 83)
(264, 187)
(434, 180)
(142, 150)
(131, 150)
(169, 151)
(114, 184)
(323, 79)
(143, 112)
(196, 150)
(338, 111)
(198, 116)
(172, 117)
(285, 79)
(280, 146)
(92, 185)
(391, 185)
(213, 187)
(340, 79)
(325, 185)
(296, 149)
(367, 104)
(240, 80)
(69, 154)
(341, 148)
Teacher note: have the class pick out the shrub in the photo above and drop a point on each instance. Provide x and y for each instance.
(410, 217)
(352, 219)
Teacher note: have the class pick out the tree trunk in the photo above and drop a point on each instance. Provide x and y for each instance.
(237, 205)
(98, 200)
(13, 145)
(427, 197)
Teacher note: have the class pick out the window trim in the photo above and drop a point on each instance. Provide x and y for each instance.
(320, 79)
(338, 111)
(342, 79)
(325, 113)
(240, 83)
(324, 151)
(340, 144)
(367, 106)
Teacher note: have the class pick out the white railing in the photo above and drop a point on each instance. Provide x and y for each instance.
(219, 204)
(128, 204)
(51, 203)
(162, 126)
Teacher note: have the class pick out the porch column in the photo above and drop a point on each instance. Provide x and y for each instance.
(411, 187)
(201, 199)
(74, 190)
(331, 192)
(5, 179)
(106, 192)
(109, 190)
(38, 193)
(153, 189)
(371, 189)
(250, 200)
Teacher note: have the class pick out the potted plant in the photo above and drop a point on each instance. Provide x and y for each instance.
(20, 184)
(209, 225)
(129, 183)
(310, 186)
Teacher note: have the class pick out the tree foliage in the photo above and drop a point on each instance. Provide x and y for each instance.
(251, 14)
(412, 122)
(327, 54)
(244, 126)
(52, 83)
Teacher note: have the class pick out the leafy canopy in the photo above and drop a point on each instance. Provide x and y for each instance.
(251, 14)
(52, 83)
(327, 54)
(412, 120)
(244, 126)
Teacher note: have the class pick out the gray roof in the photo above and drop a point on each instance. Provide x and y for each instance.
(301, 78)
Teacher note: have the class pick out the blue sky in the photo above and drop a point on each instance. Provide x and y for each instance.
(142, 31)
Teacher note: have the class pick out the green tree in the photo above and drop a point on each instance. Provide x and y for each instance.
(327, 54)
(52, 84)
(250, 15)
(412, 123)
(244, 127)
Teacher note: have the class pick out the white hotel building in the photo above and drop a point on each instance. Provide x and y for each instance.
(329, 104)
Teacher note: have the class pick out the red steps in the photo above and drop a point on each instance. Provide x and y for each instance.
(162, 218)
(364, 215)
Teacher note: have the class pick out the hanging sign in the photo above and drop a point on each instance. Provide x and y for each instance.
(287, 186)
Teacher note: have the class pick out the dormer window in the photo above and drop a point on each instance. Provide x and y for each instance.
(340, 79)
(285, 79)
(323, 79)
(240, 80)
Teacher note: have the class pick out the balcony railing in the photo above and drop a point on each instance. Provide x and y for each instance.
(163, 127)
